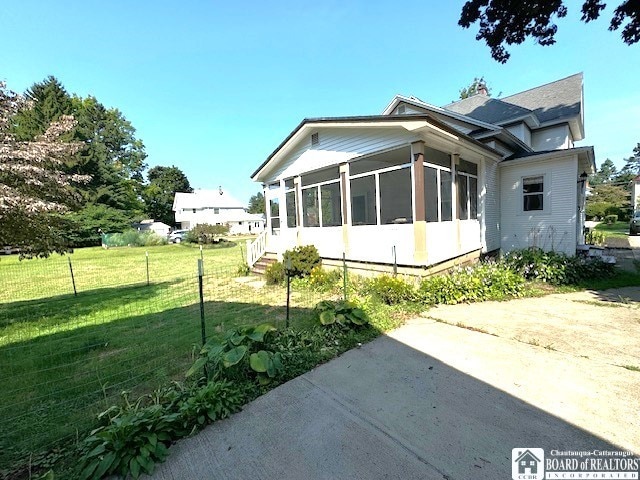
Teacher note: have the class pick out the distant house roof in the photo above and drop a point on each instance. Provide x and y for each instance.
(205, 199)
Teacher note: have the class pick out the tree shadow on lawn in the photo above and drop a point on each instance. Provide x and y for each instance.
(55, 385)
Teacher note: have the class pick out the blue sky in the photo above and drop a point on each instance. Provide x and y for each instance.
(213, 87)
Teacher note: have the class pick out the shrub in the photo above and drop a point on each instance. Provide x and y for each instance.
(134, 238)
(206, 234)
(243, 269)
(324, 280)
(391, 290)
(274, 274)
(484, 281)
(556, 268)
(303, 260)
(594, 237)
(610, 219)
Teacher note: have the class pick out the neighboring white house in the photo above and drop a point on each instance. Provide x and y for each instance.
(215, 207)
(422, 184)
(159, 228)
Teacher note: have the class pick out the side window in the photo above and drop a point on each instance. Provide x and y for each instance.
(533, 193)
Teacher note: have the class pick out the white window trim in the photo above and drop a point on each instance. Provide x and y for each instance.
(470, 175)
(546, 195)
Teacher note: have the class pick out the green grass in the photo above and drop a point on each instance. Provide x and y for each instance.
(617, 229)
(65, 358)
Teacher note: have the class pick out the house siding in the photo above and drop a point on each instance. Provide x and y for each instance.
(345, 144)
(521, 130)
(552, 138)
(491, 196)
(555, 227)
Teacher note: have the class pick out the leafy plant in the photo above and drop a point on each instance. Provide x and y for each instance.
(240, 347)
(302, 260)
(594, 237)
(342, 313)
(205, 233)
(391, 290)
(611, 219)
(243, 269)
(136, 436)
(274, 273)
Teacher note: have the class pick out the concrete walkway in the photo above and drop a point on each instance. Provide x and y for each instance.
(428, 401)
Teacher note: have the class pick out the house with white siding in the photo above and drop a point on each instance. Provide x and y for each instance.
(421, 185)
(215, 207)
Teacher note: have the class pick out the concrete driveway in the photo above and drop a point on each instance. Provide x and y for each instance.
(436, 401)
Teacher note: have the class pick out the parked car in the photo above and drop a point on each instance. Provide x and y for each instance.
(177, 236)
(634, 225)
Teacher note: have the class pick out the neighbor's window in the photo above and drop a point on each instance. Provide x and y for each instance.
(533, 193)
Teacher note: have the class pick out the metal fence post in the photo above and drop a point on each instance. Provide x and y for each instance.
(395, 262)
(287, 270)
(147, 257)
(200, 289)
(202, 259)
(73, 280)
(344, 276)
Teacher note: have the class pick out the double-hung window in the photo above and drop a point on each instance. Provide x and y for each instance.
(533, 193)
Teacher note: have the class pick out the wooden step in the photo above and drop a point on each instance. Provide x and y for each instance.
(261, 265)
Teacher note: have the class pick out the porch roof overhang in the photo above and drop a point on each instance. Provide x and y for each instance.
(422, 125)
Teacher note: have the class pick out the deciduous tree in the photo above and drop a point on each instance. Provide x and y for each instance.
(510, 22)
(34, 189)
(256, 203)
(158, 195)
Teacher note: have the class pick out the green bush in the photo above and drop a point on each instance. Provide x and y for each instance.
(611, 219)
(134, 238)
(206, 234)
(556, 268)
(322, 279)
(484, 281)
(594, 237)
(341, 313)
(274, 274)
(391, 290)
(302, 260)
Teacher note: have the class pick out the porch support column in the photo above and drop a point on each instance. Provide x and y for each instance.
(455, 161)
(419, 222)
(297, 183)
(346, 205)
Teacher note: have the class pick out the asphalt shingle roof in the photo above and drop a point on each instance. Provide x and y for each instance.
(555, 100)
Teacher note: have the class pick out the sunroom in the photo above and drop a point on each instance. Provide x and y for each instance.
(410, 193)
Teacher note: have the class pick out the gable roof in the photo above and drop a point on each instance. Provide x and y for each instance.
(407, 122)
(205, 199)
(527, 453)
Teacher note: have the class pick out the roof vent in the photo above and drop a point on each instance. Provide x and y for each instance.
(315, 140)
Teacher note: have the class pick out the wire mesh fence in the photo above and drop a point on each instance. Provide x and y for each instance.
(66, 357)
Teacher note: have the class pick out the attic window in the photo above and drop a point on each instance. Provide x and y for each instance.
(315, 140)
(402, 109)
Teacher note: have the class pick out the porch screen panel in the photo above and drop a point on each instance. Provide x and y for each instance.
(463, 197)
(331, 203)
(363, 201)
(395, 197)
(473, 198)
(310, 212)
(380, 161)
(274, 213)
(292, 219)
(431, 194)
(445, 196)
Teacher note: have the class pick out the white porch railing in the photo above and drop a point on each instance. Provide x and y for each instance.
(256, 249)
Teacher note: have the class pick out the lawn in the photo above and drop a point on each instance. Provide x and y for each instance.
(65, 358)
(617, 229)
